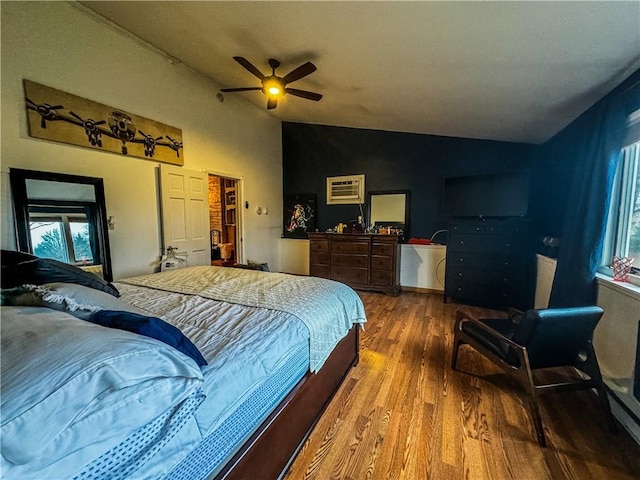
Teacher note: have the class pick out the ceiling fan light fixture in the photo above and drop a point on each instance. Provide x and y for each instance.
(273, 87)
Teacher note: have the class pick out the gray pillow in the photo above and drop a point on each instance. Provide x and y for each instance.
(77, 299)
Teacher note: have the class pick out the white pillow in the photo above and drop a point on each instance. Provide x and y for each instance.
(79, 300)
(79, 297)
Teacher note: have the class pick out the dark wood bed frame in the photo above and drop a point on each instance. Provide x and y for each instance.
(269, 452)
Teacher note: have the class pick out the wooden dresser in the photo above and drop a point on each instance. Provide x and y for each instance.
(362, 261)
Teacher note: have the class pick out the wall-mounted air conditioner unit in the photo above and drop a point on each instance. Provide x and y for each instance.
(345, 189)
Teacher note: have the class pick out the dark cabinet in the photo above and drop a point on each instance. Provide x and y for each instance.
(489, 263)
(362, 261)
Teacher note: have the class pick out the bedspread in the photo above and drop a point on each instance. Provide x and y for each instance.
(243, 345)
(327, 308)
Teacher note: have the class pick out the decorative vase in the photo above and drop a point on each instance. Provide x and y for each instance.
(621, 268)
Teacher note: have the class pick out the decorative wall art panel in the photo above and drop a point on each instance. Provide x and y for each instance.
(299, 215)
(63, 117)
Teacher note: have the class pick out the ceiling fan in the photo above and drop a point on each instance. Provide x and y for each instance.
(274, 86)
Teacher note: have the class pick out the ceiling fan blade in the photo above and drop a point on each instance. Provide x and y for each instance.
(241, 89)
(249, 66)
(303, 94)
(272, 103)
(302, 71)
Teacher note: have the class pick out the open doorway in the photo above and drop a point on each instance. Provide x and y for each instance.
(223, 220)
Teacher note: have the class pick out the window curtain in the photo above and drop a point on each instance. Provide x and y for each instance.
(598, 151)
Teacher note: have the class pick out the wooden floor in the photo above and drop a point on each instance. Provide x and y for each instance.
(402, 413)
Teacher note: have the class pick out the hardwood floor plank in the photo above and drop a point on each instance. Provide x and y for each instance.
(403, 414)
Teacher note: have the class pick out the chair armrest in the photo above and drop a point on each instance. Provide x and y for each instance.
(462, 317)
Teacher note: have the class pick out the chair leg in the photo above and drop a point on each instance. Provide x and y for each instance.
(593, 370)
(606, 407)
(454, 357)
(537, 420)
(527, 380)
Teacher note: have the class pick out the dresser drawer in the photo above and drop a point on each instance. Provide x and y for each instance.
(382, 249)
(486, 261)
(381, 263)
(350, 248)
(321, 246)
(349, 275)
(485, 293)
(319, 258)
(486, 229)
(344, 260)
(468, 228)
(488, 277)
(507, 230)
(321, 271)
(382, 278)
(484, 243)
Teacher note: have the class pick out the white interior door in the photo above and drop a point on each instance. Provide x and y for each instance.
(185, 213)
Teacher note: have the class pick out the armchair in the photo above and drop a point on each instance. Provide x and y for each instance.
(538, 339)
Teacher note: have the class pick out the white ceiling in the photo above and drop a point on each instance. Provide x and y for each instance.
(513, 71)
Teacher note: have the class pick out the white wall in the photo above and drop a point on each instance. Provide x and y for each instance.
(60, 46)
(616, 335)
(294, 256)
(546, 271)
(615, 343)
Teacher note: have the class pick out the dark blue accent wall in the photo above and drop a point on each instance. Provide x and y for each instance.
(419, 163)
(390, 161)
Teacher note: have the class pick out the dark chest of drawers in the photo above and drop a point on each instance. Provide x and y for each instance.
(362, 261)
(489, 263)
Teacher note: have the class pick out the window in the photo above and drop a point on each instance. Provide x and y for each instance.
(61, 237)
(623, 229)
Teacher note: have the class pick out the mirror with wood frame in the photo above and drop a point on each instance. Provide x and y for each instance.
(389, 208)
(62, 217)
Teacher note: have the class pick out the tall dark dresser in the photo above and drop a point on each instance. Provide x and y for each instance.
(490, 263)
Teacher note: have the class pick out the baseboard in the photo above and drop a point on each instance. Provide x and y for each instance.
(422, 290)
(624, 415)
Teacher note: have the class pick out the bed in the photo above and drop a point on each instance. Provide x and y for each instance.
(203, 372)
